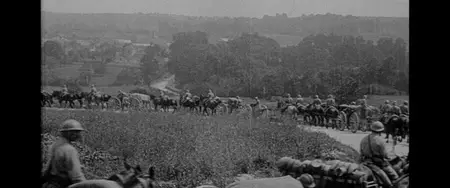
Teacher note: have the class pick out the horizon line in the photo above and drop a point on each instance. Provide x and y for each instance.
(173, 14)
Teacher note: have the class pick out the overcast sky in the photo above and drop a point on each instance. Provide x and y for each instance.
(248, 8)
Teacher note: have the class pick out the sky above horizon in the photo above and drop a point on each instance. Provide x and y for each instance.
(234, 8)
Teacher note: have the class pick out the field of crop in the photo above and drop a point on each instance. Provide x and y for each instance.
(189, 149)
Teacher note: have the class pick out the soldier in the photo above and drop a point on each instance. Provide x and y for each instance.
(300, 100)
(187, 95)
(353, 103)
(211, 94)
(364, 101)
(373, 149)
(161, 94)
(395, 110)
(316, 100)
(385, 111)
(289, 99)
(404, 108)
(257, 102)
(64, 167)
(93, 90)
(330, 101)
(386, 107)
(65, 90)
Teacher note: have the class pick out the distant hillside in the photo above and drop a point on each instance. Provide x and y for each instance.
(283, 29)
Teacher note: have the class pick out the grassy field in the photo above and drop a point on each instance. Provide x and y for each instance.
(189, 149)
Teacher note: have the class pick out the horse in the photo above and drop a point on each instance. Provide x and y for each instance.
(395, 126)
(318, 114)
(167, 103)
(211, 104)
(192, 103)
(46, 98)
(233, 104)
(291, 110)
(157, 101)
(99, 99)
(331, 113)
(132, 177)
(79, 96)
(66, 98)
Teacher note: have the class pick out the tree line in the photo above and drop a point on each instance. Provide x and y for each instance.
(253, 65)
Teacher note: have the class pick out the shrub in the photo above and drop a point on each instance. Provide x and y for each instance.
(190, 149)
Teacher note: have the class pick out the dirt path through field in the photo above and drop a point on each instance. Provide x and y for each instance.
(353, 139)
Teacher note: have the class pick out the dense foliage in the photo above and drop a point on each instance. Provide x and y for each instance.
(190, 149)
(252, 65)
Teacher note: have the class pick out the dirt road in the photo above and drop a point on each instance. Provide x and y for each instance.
(353, 139)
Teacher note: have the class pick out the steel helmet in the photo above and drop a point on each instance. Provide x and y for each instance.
(386, 102)
(353, 103)
(330, 96)
(256, 98)
(377, 126)
(288, 95)
(316, 96)
(299, 96)
(365, 96)
(394, 102)
(405, 102)
(307, 180)
(71, 125)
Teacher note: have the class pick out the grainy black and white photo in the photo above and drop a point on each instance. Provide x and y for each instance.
(225, 93)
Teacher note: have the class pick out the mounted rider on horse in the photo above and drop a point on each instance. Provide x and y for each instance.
(64, 90)
(187, 96)
(93, 92)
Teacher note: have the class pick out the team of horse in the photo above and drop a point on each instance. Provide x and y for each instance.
(337, 117)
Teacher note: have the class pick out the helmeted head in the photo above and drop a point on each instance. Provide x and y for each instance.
(92, 85)
(210, 90)
(237, 97)
(299, 96)
(288, 95)
(316, 96)
(187, 91)
(64, 85)
(386, 102)
(256, 98)
(307, 180)
(394, 103)
(71, 130)
(405, 102)
(365, 97)
(330, 96)
(353, 103)
(377, 127)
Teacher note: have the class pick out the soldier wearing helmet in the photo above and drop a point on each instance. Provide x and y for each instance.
(299, 100)
(404, 108)
(395, 110)
(93, 90)
(211, 94)
(385, 110)
(289, 99)
(364, 101)
(353, 103)
(64, 167)
(316, 100)
(187, 95)
(307, 181)
(331, 101)
(373, 149)
(65, 90)
(386, 107)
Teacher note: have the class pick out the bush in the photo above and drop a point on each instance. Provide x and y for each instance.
(190, 149)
